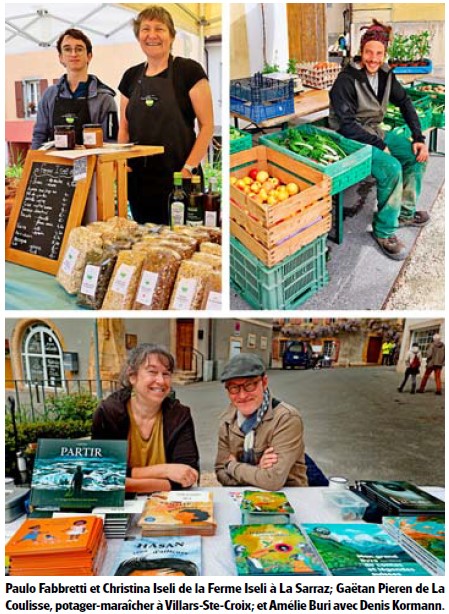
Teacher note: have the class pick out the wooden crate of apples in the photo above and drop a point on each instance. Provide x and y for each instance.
(274, 201)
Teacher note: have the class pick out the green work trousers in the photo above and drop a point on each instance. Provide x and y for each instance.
(399, 181)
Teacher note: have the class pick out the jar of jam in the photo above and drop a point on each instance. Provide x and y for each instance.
(65, 137)
(92, 136)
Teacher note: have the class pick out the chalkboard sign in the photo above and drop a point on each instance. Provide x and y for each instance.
(48, 205)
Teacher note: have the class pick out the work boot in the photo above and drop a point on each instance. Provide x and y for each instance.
(413, 390)
(420, 391)
(420, 219)
(392, 247)
(438, 392)
(399, 389)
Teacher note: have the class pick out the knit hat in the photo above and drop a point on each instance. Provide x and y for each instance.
(376, 32)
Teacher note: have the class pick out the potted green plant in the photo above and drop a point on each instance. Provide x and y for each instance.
(13, 174)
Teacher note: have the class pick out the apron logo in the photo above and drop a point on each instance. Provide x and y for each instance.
(70, 120)
(150, 100)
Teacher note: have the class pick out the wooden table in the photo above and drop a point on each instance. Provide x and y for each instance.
(306, 103)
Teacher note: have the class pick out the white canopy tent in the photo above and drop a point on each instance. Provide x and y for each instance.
(32, 26)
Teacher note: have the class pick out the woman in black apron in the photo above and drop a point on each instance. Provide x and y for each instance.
(160, 101)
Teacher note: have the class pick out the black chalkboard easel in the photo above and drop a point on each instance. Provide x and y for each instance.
(48, 205)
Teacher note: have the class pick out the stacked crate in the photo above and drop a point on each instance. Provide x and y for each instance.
(259, 98)
(285, 242)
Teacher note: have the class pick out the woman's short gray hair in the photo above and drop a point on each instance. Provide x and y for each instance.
(138, 356)
(157, 13)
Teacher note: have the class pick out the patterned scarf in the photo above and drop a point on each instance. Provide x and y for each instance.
(248, 426)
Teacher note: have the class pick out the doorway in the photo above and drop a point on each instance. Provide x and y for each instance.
(184, 344)
(374, 349)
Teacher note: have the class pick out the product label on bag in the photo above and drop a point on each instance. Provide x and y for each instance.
(90, 279)
(147, 287)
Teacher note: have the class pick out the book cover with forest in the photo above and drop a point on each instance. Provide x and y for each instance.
(159, 556)
(402, 497)
(276, 550)
(265, 507)
(78, 474)
(350, 549)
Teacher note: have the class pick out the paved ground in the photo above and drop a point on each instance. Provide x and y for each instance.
(361, 276)
(356, 423)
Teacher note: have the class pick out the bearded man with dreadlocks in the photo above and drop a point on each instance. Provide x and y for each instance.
(358, 103)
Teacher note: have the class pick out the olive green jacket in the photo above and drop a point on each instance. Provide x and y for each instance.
(282, 429)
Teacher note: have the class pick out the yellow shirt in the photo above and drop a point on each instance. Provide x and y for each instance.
(145, 452)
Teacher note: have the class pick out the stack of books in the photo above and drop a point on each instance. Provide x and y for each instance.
(400, 498)
(178, 513)
(274, 550)
(350, 549)
(259, 507)
(76, 475)
(159, 556)
(70, 546)
(423, 537)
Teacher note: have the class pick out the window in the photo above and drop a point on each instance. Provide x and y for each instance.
(424, 337)
(42, 356)
(329, 348)
(30, 97)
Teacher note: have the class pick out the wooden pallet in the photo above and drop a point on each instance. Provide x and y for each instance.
(274, 255)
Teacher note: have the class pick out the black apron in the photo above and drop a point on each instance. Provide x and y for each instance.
(155, 118)
(71, 112)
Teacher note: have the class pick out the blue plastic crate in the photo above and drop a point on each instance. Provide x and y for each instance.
(283, 286)
(259, 89)
(414, 70)
(261, 112)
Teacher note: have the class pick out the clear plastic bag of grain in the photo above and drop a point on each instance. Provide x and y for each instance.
(210, 259)
(168, 235)
(211, 248)
(185, 251)
(194, 232)
(189, 286)
(125, 277)
(96, 277)
(213, 231)
(212, 293)
(157, 278)
(81, 241)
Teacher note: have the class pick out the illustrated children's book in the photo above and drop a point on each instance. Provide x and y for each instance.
(73, 545)
(400, 498)
(159, 556)
(259, 507)
(178, 513)
(78, 474)
(361, 550)
(276, 550)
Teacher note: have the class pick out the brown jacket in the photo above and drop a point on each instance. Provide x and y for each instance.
(435, 354)
(282, 429)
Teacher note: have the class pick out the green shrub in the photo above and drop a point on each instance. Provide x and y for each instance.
(70, 407)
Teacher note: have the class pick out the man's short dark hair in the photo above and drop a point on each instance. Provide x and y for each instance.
(74, 33)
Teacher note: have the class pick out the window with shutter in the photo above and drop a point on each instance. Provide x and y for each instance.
(20, 107)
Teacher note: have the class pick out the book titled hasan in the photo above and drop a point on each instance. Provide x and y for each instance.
(159, 556)
(69, 546)
(78, 474)
(275, 550)
(178, 513)
(259, 507)
(350, 549)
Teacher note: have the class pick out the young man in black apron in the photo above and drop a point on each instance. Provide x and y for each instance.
(78, 98)
(161, 99)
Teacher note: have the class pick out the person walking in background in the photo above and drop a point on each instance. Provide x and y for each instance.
(435, 363)
(385, 353)
(412, 364)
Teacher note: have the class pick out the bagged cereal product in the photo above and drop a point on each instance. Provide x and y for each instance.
(189, 285)
(212, 293)
(97, 274)
(81, 241)
(157, 278)
(210, 259)
(124, 280)
(211, 248)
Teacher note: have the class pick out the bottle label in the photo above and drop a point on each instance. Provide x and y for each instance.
(146, 288)
(177, 209)
(122, 278)
(210, 218)
(90, 279)
(185, 293)
(89, 138)
(70, 259)
(214, 301)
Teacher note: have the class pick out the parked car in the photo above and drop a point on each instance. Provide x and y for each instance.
(298, 354)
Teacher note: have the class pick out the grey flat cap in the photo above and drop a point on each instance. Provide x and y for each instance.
(243, 365)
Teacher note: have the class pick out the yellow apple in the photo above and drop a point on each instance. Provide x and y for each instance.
(240, 184)
(233, 180)
(255, 187)
(262, 176)
(272, 200)
(292, 188)
(247, 180)
(275, 181)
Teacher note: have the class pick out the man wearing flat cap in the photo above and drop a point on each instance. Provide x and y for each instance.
(358, 103)
(260, 439)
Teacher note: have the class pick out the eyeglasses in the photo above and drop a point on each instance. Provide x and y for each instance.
(247, 386)
(76, 50)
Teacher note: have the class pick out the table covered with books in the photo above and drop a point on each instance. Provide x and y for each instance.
(217, 553)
